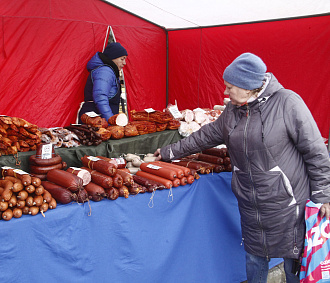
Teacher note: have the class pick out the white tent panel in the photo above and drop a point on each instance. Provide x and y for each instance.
(173, 14)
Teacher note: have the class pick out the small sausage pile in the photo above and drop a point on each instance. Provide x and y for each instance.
(212, 160)
(168, 174)
(87, 135)
(21, 193)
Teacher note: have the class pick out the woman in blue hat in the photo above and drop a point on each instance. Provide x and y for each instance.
(103, 90)
(279, 161)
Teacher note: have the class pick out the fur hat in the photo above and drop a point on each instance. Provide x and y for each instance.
(114, 50)
(247, 71)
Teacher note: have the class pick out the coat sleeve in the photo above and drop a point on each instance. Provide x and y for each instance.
(208, 136)
(307, 138)
(103, 81)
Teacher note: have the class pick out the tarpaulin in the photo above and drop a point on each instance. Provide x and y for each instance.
(191, 237)
(295, 51)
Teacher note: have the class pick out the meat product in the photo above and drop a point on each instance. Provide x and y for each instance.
(99, 165)
(99, 178)
(131, 130)
(33, 160)
(95, 191)
(117, 132)
(84, 174)
(163, 172)
(65, 179)
(119, 119)
(59, 193)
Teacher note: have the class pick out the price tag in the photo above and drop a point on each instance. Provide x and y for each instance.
(153, 167)
(175, 112)
(46, 151)
(76, 168)
(92, 114)
(119, 160)
(93, 158)
(149, 110)
(20, 172)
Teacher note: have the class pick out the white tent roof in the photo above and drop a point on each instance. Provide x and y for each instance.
(175, 14)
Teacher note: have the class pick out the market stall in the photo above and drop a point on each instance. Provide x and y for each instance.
(139, 239)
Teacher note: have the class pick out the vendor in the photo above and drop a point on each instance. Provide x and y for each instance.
(103, 90)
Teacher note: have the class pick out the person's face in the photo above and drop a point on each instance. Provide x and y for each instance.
(237, 95)
(120, 62)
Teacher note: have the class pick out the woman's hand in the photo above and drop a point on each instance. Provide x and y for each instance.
(325, 210)
(157, 154)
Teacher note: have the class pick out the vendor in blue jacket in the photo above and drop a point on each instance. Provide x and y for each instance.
(279, 161)
(103, 90)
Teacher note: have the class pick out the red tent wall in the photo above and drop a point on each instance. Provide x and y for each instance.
(295, 51)
(46, 45)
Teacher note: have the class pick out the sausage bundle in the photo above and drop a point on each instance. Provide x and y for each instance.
(17, 198)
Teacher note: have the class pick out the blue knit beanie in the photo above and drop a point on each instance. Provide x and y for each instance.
(114, 50)
(247, 71)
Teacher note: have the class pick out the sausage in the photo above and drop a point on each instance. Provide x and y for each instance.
(35, 181)
(176, 182)
(120, 162)
(112, 193)
(123, 191)
(59, 193)
(17, 212)
(191, 164)
(163, 172)
(25, 210)
(99, 165)
(23, 176)
(183, 181)
(13, 201)
(33, 210)
(44, 207)
(134, 189)
(151, 185)
(194, 173)
(177, 169)
(30, 189)
(105, 181)
(95, 191)
(190, 179)
(84, 174)
(117, 181)
(17, 183)
(45, 162)
(7, 214)
(38, 200)
(3, 205)
(42, 177)
(65, 179)
(29, 201)
(166, 182)
(22, 195)
(211, 167)
(127, 177)
(45, 169)
(52, 204)
(39, 190)
(186, 171)
(6, 194)
(47, 196)
(20, 203)
(220, 152)
(82, 196)
(6, 184)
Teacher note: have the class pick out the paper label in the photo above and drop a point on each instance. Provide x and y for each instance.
(93, 158)
(175, 112)
(153, 167)
(149, 110)
(92, 114)
(20, 172)
(46, 151)
(119, 160)
(76, 168)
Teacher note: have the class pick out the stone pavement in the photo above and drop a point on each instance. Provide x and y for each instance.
(275, 275)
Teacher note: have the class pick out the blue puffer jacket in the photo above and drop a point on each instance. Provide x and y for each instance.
(102, 90)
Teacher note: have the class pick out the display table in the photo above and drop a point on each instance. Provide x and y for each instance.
(111, 148)
(193, 237)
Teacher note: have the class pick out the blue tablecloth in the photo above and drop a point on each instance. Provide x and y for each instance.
(193, 236)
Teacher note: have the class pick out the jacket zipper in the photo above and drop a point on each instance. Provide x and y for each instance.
(248, 112)
(295, 248)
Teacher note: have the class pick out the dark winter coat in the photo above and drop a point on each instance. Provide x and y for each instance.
(102, 90)
(279, 160)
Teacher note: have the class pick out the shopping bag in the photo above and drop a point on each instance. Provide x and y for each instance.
(315, 265)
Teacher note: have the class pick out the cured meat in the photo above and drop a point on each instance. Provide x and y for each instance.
(117, 132)
(156, 116)
(81, 173)
(119, 119)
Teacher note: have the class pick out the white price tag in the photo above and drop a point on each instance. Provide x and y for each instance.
(20, 172)
(149, 110)
(153, 167)
(175, 112)
(92, 114)
(93, 158)
(46, 151)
